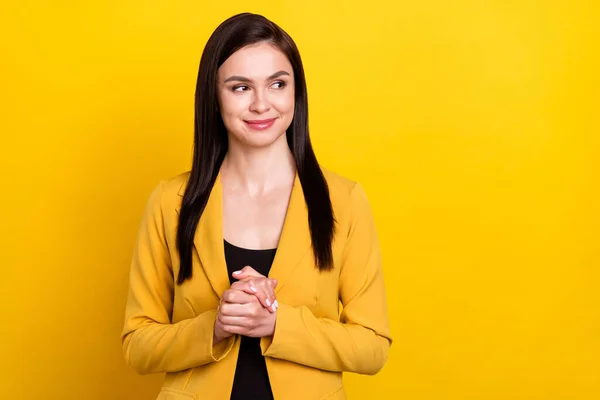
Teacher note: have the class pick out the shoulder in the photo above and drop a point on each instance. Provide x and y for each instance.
(351, 207)
(175, 185)
(339, 185)
(167, 194)
(347, 195)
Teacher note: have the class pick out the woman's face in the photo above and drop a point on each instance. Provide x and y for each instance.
(256, 94)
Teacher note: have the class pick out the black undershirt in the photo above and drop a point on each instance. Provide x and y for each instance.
(251, 380)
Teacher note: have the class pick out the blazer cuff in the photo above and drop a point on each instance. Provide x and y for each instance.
(286, 319)
(220, 350)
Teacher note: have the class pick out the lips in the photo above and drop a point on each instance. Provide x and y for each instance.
(260, 124)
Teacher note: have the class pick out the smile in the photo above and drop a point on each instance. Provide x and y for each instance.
(261, 124)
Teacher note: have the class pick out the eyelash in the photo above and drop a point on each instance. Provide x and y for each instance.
(235, 88)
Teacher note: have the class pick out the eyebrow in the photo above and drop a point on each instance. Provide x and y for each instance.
(247, 80)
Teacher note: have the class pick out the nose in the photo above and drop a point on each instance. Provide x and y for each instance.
(260, 102)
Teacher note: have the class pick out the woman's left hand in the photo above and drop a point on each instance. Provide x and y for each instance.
(241, 313)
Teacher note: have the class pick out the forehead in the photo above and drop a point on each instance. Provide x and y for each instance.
(256, 61)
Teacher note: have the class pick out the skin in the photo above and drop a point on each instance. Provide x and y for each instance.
(257, 175)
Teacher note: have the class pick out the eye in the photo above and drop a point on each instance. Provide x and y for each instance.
(240, 88)
(281, 84)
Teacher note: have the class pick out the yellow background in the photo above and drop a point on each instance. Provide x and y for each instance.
(473, 126)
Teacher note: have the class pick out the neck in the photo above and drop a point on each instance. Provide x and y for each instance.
(259, 170)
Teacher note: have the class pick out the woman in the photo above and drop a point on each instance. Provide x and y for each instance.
(242, 264)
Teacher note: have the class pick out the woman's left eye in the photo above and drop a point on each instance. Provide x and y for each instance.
(280, 83)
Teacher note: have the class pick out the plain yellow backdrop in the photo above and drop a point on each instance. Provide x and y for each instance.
(473, 126)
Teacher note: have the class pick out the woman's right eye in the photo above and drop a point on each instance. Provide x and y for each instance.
(240, 88)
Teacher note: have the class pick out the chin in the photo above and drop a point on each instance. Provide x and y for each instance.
(262, 139)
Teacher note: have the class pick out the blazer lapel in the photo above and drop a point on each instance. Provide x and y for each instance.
(208, 240)
(294, 241)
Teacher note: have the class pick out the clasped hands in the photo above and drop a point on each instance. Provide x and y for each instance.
(248, 307)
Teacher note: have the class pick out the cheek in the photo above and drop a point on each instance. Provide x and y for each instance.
(285, 105)
(232, 107)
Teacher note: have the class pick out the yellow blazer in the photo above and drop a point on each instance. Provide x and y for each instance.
(326, 323)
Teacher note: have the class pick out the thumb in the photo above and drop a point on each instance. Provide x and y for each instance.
(247, 272)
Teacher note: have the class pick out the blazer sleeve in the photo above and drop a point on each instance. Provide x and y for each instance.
(359, 342)
(151, 342)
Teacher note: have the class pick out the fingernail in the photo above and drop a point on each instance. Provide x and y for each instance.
(237, 272)
(269, 302)
(253, 289)
(275, 304)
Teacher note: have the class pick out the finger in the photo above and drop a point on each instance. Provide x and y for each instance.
(268, 287)
(271, 286)
(246, 286)
(246, 272)
(238, 297)
(238, 310)
(262, 289)
(263, 299)
(255, 282)
(245, 322)
(236, 330)
(249, 288)
(270, 281)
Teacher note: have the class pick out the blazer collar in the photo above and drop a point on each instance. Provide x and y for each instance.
(294, 241)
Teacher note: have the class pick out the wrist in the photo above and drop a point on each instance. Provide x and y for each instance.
(218, 334)
(273, 324)
(217, 339)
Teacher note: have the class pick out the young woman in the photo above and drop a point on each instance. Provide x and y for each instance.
(257, 275)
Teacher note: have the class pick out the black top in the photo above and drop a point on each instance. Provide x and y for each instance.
(251, 380)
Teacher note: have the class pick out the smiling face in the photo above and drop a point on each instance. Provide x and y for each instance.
(256, 95)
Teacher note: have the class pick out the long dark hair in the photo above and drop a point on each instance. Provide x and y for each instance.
(210, 138)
